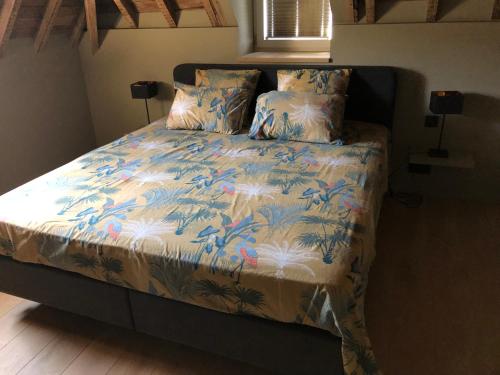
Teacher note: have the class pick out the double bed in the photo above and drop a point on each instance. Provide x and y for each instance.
(256, 250)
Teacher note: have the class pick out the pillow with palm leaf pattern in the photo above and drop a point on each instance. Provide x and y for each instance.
(207, 108)
(313, 80)
(222, 78)
(298, 116)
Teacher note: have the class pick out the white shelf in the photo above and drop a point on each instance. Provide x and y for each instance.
(456, 159)
(285, 57)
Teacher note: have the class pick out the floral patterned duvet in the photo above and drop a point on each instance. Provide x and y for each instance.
(280, 230)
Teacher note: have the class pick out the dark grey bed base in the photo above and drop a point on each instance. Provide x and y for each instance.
(281, 348)
(278, 347)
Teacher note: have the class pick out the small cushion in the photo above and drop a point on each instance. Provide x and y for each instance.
(221, 78)
(298, 116)
(211, 109)
(327, 82)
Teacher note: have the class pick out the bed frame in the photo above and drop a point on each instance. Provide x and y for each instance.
(279, 347)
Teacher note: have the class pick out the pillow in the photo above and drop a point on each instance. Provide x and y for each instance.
(211, 109)
(221, 78)
(313, 80)
(298, 116)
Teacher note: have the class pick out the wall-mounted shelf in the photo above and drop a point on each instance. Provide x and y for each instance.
(422, 162)
(285, 57)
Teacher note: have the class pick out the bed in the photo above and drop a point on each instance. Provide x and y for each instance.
(256, 250)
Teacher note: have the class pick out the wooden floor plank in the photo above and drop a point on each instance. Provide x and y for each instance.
(177, 359)
(56, 357)
(25, 346)
(433, 288)
(8, 302)
(100, 355)
(12, 324)
(138, 359)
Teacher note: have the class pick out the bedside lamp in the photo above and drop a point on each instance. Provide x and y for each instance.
(144, 90)
(444, 103)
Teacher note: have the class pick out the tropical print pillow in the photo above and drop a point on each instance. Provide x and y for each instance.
(206, 108)
(221, 78)
(327, 82)
(298, 116)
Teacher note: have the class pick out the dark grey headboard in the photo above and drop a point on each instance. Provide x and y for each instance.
(372, 89)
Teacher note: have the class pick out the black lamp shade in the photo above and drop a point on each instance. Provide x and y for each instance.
(446, 102)
(144, 89)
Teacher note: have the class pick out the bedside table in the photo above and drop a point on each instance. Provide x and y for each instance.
(421, 162)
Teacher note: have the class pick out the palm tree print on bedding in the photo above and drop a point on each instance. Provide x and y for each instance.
(221, 78)
(211, 109)
(298, 116)
(316, 81)
(278, 229)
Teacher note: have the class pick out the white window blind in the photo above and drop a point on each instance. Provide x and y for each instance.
(297, 19)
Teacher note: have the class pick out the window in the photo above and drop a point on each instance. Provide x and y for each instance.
(298, 25)
(296, 19)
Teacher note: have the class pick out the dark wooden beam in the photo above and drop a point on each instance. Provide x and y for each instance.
(168, 11)
(91, 15)
(432, 10)
(151, 6)
(213, 12)
(47, 24)
(495, 15)
(8, 16)
(189, 4)
(370, 11)
(353, 10)
(76, 34)
(127, 10)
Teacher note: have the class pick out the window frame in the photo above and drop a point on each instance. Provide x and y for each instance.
(284, 44)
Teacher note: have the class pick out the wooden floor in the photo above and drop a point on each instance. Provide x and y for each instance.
(433, 307)
(38, 340)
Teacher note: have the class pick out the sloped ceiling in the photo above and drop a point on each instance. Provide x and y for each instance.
(39, 18)
(414, 11)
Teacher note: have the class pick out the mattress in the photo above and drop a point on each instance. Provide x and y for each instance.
(279, 230)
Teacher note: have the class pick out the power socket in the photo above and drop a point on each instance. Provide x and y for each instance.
(431, 121)
(419, 168)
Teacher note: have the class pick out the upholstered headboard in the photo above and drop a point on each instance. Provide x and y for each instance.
(372, 89)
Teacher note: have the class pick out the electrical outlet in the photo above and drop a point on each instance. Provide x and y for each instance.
(431, 121)
(419, 168)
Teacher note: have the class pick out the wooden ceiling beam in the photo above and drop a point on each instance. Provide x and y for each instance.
(495, 15)
(214, 13)
(8, 16)
(47, 24)
(128, 12)
(432, 10)
(353, 10)
(189, 4)
(168, 11)
(91, 16)
(76, 34)
(370, 11)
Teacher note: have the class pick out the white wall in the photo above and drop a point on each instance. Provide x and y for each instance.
(44, 113)
(127, 56)
(441, 56)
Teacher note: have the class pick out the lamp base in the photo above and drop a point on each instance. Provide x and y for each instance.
(438, 153)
